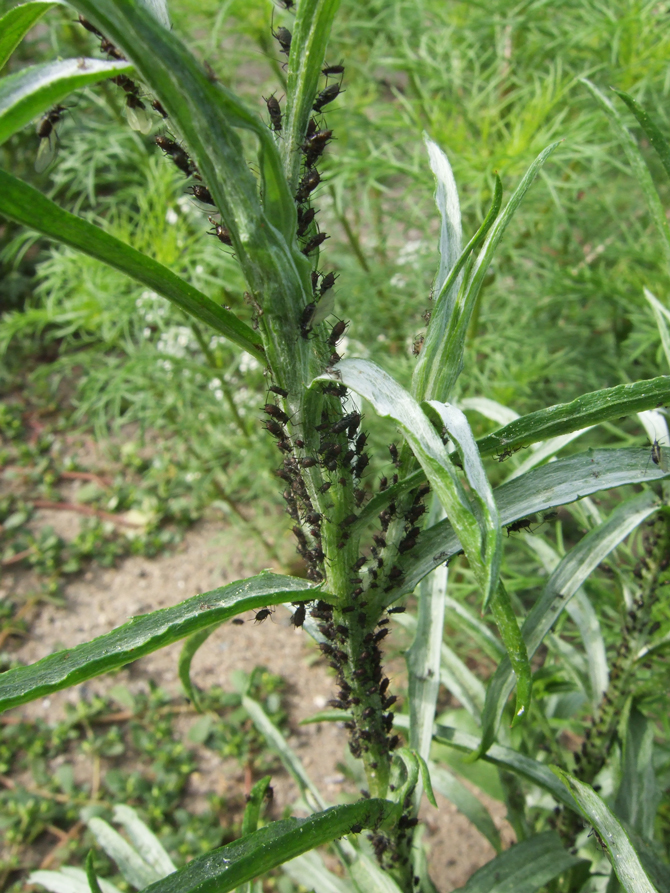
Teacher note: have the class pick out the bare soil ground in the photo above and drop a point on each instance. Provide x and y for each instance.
(212, 554)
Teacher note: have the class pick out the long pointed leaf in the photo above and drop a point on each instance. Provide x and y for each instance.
(30, 92)
(186, 655)
(611, 835)
(561, 586)
(661, 315)
(145, 841)
(517, 653)
(15, 24)
(251, 856)
(638, 165)
(144, 634)
(650, 127)
(557, 483)
(523, 868)
(26, 205)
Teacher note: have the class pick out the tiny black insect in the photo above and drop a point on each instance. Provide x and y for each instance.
(523, 524)
(277, 390)
(325, 96)
(298, 617)
(362, 464)
(315, 144)
(263, 614)
(308, 462)
(337, 331)
(222, 233)
(305, 217)
(308, 184)
(327, 282)
(237, 621)
(274, 110)
(203, 194)
(393, 450)
(332, 69)
(656, 452)
(347, 421)
(399, 610)
(176, 153)
(274, 428)
(314, 242)
(283, 38)
(157, 107)
(275, 412)
(46, 150)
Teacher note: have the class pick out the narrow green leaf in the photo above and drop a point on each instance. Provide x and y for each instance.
(91, 876)
(661, 315)
(251, 856)
(132, 866)
(433, 352)
(15, 24)
(144, 634)
(391, 400)
(146, 843)
(28, 93)
(444, 374)
(590, 409)
(186, 655)
(639, 793)
(423, 655)
(426, 780)
(523, 868)
(561, 586)
(517, 655)
(252, 811)
(508, 759)
(451, 229)
(466, 803)
(26, 205)
(650, 127)
(68, 880)
(310, 34)
(460, 434)
(557, 483)
(611, 835)
(638, 165)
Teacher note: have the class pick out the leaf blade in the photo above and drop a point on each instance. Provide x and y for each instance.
(144, 634)
(15, 24)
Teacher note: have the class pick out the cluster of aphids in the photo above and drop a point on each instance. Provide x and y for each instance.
(403, 834)
(367, 678)
(176, 153)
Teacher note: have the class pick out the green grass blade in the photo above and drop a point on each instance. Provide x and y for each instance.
(451, 230)
(611, 835)
(278, 743)
(466, 803)
(507, 758)
(639, 793)
(26, 205)
(638, 166)
(15, 24)
(557, 483)
(445, 373)
(517, 653)
(459, 431)
(186, 655)
(225, 868)
(389, 399)
(30, 92)
(561, 586)
(252, 811)
(650, 127)
(310, 35)
(146, 633)
(442, 317)
(563, 418)
(90, 867)
(661, 315)
(145, 841)
(523, 868)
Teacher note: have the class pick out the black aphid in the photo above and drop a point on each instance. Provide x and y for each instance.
(315, 144)
(157, 107)
(222, 233)
(274, 111)
(309, 182)
(305, 217)
(314, 242)
(399, 610)
(325, 96)
(277, 390)
(283, 38)
(263, 614)
(298, 617)
(327, 282)
(237, 621)
(347, 421)
(332, 69)
(522, 524)
(203, 194)
(275, 412)
(393, 450)
(336, 333)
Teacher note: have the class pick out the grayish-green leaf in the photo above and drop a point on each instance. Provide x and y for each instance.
(611, 835)
(523, 868)
(146, 633)
(561, 586)
(145, 841)
(662, 316)
(28, 93)
(446, 199)
(68, 880)
(639, 793)
(186, 655)
(16, 23)
(132, 866)
(466, 803)
(26, 205)
(252, 810)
